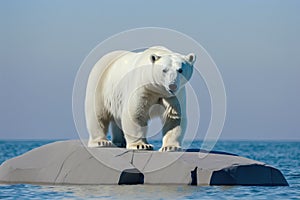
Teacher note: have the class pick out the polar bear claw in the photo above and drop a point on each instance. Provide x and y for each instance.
(171, 148)
(140, 146)
(101, 143)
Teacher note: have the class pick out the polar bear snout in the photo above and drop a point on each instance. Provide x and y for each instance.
(179, 71)
(173, 87)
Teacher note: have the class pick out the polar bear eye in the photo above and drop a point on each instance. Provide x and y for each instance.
(165, 70)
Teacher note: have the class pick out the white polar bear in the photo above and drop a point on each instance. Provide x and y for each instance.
(122, 88)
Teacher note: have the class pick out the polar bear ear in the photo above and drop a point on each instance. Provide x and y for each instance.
(154, 58)
(191, 57)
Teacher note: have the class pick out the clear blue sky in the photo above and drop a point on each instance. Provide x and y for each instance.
(255, 44)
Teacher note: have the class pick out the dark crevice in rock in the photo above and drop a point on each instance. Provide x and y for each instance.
(131, 177)
(194, 176)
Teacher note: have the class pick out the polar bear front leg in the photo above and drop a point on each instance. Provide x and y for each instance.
(134, 125)
(173, 130)
(135, 133)
(174, 123)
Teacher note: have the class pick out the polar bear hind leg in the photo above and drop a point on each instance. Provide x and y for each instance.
(98, 129)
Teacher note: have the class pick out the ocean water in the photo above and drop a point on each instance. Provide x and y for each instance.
(285, 156)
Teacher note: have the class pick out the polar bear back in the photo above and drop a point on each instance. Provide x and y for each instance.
(92, 89)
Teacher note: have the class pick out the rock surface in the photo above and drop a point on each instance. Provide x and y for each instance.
(69, 162)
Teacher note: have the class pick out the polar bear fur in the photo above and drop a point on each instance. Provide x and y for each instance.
(123, 86)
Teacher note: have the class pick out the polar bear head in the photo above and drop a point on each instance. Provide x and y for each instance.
(172, 70)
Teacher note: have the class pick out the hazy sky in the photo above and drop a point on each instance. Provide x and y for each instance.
(255, 44)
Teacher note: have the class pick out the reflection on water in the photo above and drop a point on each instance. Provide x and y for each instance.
(146, 192)
(125, 191)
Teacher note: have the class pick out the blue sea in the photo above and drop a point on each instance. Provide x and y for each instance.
(285, 156)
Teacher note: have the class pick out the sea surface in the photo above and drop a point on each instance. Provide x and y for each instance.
(284, 156)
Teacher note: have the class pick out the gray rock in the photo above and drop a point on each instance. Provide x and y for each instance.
(70, 162)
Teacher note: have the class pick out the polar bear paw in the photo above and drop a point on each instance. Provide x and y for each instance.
(171, 148)
(140, 146)
(101, 143)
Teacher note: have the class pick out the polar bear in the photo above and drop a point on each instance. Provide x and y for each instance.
(122, 88)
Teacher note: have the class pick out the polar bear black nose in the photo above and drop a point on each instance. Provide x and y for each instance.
(179, 70)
